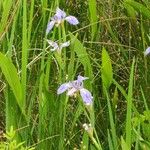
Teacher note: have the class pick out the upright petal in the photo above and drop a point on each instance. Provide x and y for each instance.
(60, 14)
(53, 44)
(147, 51)
(63, 88)
(72, 20)
(86, 96)
(76, 84)
(50, 25)
(71, 91)
(81, 78)
(66, 44)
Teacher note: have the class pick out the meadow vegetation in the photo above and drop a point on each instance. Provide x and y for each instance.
(73, 74)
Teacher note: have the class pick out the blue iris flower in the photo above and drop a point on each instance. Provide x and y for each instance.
(58, 18)
(75, 86)
(57, 47)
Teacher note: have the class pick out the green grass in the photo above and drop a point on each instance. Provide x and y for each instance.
(106, 46)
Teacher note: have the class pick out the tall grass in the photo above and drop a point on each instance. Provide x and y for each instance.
(106, 46)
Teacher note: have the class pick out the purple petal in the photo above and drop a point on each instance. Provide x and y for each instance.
(147, 51)
(71, 91)
(72, 20)
(60, 14)
(63, 88)
(86, 96)
(53, 44)
(50, 25)
(81, 78)
(76, 84)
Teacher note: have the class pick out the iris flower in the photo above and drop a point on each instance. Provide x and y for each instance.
(74, 86)
(147, 51)
(58, 47)
(58, 18)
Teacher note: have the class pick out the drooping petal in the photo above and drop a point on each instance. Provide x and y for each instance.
(147, 51)
(60, 14)
(72, 20)
(66, 44)
(63, 88)
(50, 25)
(53, 44)
(81, 78)
(71, 91)
(86, 96)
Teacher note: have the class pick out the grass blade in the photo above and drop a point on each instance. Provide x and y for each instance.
(112, 124)
(110, 141)
(129, 107)
(24, 51)
(7, 4)
(93, 17)
(106, 70)
(139, 7)
(11, 76)
(82, 56)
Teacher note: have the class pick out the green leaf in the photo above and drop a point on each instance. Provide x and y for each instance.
(12, 78)
(129, 107)
(145, 145)
(7, 4)
(111, 119)
(106, 70)
(115, 98)
(93, 16)
(85, 140)
(83, 57)
(110, 141)
(124, 144)
(139, 8)
(130, 10)
(146, 130)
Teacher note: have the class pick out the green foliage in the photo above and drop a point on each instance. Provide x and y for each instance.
(7, 4)
(129, 107)
(115, 98)
(118, 78)
(124, 144)
(83, 57)
(11, 143)
(139, 8)
(112, 123)
(130, 10)
(106, 70)
(12, 78)
(93, 17)
(85, 140)
(24, 51)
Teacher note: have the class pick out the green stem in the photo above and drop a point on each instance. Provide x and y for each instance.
(64, 49)
(24, 51)
(96, 144)
(62, 137)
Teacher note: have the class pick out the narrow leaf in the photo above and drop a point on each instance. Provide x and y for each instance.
(139, 8)
(82, 54)
(93, 16)
(106, 70)
(124, 144)
(129, 106)
(12, 78)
